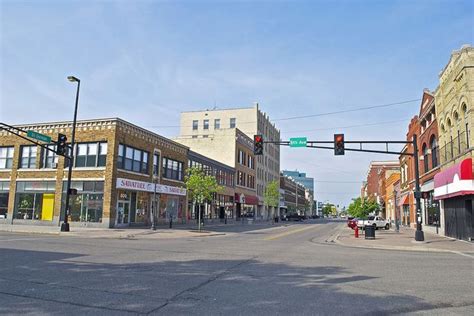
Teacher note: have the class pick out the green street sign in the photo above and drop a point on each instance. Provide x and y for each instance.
(38, 136)
(298, 142)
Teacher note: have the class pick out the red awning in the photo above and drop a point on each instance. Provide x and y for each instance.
(403, 200)
(455, 181)
(246, 199)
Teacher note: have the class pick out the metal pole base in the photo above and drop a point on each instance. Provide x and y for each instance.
(65, 227)
(419, 235)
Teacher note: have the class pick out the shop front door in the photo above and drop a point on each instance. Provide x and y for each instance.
(123, 213)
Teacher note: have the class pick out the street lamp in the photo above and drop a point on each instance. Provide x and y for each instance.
(65, 224)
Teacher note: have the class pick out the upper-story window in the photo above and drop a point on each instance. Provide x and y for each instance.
(132, 159)
(195, 125)
(242, 157)
(425, 158)
(90, 155)
(206, 124)
(28, 156)
(434, 151)
(172, 169)
(6, 157)
(232, 122)
(156, 164)
(49, 158)
(217, 124)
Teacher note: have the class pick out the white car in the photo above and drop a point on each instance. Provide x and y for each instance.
(376, 221)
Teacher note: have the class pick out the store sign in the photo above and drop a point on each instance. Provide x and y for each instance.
(135, 185)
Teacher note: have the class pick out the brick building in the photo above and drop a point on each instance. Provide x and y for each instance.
(374, 187)
(428, 151)
(407, 178)
(120, 171)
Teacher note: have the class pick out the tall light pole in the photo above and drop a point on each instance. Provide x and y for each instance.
(65, 224)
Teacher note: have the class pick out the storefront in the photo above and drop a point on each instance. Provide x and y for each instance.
(430, 207)
(88, 204)
(405, 209)
(454, 188)
(4, 194)
(34, 200)
(135, 200)
(245, 205)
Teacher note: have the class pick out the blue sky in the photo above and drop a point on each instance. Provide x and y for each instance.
(146, 61)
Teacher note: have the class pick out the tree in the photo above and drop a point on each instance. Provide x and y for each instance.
(271, 196)
(327, 209)
(362, 207)
(201, 188)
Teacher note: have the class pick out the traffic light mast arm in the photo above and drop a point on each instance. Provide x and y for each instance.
(16, 131)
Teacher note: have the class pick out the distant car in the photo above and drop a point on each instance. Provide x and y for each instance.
(352, 223)
(294, 217)
(376, 221)
(283, 217)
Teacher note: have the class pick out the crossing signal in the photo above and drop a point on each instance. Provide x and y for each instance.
(258, 145)
(338, 144)
(61, 148)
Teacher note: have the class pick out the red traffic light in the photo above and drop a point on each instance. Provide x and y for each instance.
(258, 145)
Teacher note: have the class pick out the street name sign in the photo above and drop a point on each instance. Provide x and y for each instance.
(298, 142)
(38, 136)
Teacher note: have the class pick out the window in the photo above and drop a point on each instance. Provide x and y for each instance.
(194, 136)
(87, 205)
(206, 124)
(28, 157)
(467, 135)
(434, 151)
(217, 124)
(49, 157)
(172, 169)
(242, 157)
(34, 200)
(6, 157)
(132, 159)
(240, 178)
(232, 122)
(195, 125)
(90, 155)
(156, 164)
(425, 158)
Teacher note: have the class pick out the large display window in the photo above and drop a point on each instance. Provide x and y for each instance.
(87, 205)
(4, 195)
(34, 200)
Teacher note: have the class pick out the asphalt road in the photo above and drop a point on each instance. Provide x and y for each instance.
(252, 270)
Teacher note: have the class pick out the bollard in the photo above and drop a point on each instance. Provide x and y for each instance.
(356, 232)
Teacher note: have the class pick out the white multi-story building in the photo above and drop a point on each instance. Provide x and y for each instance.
(251, 121)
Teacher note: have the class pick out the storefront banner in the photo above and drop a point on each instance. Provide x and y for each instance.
(135, 185)
(457, 180)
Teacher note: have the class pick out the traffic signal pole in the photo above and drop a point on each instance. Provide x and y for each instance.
(65, 224)
(419, 235)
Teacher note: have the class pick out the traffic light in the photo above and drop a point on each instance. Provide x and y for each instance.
(257, 144)
(61, 148)
(338, 144)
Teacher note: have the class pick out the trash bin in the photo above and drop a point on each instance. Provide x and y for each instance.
(369, 232)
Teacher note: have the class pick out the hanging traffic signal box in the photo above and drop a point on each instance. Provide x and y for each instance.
(61, 148)
(258, 145)
(338, 144)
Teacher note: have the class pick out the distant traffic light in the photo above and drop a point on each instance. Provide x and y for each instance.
(61, 148)
(338, 144)
(258, 145)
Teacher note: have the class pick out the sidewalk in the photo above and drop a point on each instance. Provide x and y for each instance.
(161, 232)
(404, 240)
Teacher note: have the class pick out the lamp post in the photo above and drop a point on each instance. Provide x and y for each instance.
(65, 224)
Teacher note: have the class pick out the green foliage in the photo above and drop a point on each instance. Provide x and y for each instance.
(362, 207)
(271, 196)
(201, 187)
(327, 209)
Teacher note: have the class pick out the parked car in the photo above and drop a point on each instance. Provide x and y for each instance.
(376, 221)
(294, 217)
(283, 217)
(352, 223)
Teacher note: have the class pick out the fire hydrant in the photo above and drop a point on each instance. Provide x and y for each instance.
(356, 232)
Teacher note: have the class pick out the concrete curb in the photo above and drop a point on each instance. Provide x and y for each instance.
(402, 248)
